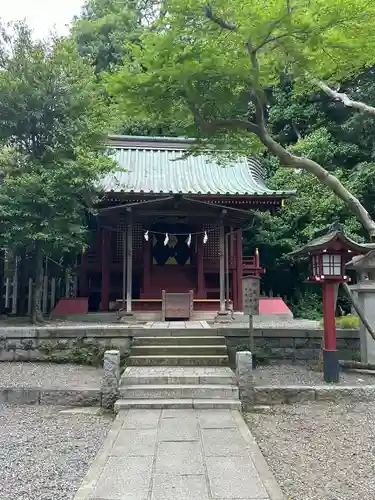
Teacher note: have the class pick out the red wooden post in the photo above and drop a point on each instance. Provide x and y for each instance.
(331, 366)
(201, 286)
(234, 289)
(239, 270)
(146, 267)
(105, 261)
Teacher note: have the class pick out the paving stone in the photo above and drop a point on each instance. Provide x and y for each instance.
(216, 419)
(173, 413)
(135, 442)
(126, 404)
(223, 443)
(141, 419)
(219, 404)
(166, 487)
(125, 478)
(234, 477)
(179, 458)
(185, 429)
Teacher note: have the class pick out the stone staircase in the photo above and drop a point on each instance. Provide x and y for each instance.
(178, 372)
(178, 351)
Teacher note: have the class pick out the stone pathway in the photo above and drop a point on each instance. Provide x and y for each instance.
(179, 455)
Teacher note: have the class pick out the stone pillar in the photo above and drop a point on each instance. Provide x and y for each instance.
(365, 292)
(111, 378)
(244, 374)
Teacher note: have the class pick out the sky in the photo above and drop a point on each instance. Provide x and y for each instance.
(41, 15)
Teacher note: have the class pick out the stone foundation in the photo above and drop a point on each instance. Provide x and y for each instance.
(75, 343)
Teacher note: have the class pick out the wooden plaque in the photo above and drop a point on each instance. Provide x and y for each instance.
(251, 293)
(177, 305)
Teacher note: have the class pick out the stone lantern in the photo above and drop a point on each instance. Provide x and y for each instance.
(364, 290)
(327, 254)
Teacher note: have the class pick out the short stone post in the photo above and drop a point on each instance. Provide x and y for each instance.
(244, 374)
(111, 378)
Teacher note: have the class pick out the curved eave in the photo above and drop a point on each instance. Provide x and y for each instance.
(330, 239)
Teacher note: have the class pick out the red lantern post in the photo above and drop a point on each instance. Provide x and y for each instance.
(327, 255)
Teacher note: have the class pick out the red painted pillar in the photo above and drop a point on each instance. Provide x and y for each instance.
(239, 270)
(146, 268)
(234, 290)
(330, 357)
(105, 260)
(201, 286)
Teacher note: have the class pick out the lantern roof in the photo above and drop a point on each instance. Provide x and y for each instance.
(362, 262)
(332, 238)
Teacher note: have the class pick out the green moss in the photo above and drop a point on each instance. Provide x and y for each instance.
(349, 322)
(80, 352)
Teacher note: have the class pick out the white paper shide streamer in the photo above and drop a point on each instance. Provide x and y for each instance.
(166, 239)
(205, 238)
(188, 240)
(146, 236)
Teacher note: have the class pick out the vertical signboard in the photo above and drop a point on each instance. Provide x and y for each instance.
(251, 292)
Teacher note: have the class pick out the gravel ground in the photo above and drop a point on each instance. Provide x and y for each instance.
(49, 375)
(320, 451)
(44, 454)
(295, 374)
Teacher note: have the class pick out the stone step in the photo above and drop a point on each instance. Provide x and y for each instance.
(188, 340)
(175, 360)
(182, 391)
(180, 350)
(202, 404)
(161, 375)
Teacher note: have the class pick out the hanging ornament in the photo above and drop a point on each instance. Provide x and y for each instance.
(188, 240)
(205, 238)
(146, 235)
(166, 239)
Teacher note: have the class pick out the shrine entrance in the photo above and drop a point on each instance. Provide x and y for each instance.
(172, 244)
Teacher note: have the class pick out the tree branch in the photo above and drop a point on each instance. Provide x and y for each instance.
(227, 25)
(287, 159)
(342, 97)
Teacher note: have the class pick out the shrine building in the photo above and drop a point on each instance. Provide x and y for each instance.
(170, 223)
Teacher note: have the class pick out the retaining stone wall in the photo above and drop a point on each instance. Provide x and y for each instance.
(294, 345)
(60, 343)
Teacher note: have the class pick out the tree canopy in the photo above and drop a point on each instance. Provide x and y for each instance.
(220, 65)
(53, 124)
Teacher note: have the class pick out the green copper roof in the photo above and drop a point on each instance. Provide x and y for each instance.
(158, 165)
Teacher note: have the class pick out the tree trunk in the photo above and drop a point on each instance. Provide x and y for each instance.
(22, 283)
(2, 281)
(36, 314)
